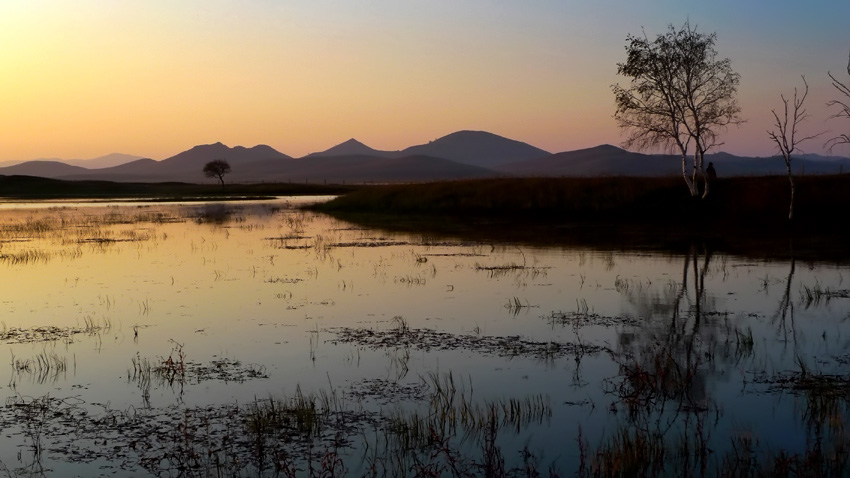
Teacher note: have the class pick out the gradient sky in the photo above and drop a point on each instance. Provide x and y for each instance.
(155, 77)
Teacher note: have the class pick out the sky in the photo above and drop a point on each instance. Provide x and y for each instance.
(152, 78)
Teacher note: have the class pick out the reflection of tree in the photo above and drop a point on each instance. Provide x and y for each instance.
(666, 366)
(663, 373)
(786, 307)
(663, 388)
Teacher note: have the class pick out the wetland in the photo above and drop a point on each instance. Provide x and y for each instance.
(259, 338)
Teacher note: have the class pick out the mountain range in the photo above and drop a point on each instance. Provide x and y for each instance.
(460, 155)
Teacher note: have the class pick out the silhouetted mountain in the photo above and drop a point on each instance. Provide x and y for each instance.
(106, 161)
(185, 166)
(459, 155)
(730, 165)
(43, 169)
(359, 168)
(477, 148)
(601, 160)
(607, 160)
(194, 159)
(353, 147)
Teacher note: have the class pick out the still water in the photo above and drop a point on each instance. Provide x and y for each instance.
(146, 338)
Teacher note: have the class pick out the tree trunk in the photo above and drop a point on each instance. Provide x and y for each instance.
(698, 173)
(685, 175)
(707, 185)
(793, 191)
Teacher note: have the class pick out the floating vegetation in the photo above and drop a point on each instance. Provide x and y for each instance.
(369, 244)
(410, 280)
(807, 382)
(225, 370)
(582, 318)
(428, 340)
(297, 435)
(504, 269)
(284, 280)
(385, 391)
(175, 369)
(16, 335)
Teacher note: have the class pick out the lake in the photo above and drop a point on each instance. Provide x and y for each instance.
(257, 338)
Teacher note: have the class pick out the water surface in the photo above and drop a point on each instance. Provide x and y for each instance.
(261, 300)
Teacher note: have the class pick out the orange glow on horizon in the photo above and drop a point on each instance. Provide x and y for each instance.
(154, 79)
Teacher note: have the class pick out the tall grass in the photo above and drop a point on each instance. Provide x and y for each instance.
(750, 201)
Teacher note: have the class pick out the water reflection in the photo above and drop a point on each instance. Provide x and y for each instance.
(176, 317)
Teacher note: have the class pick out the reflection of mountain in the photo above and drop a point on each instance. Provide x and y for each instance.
(464, 154)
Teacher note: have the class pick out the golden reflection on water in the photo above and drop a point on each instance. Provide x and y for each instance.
(266, 284)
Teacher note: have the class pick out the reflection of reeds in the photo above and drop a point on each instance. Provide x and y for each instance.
(30, 256)
(453, 411)
(302, 415)
(815, 295)
(44, 367)
(515, 305)
(637, 452)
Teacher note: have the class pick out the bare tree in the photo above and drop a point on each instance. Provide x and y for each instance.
(785, 134)
(680, 94)
(217, 169)
(843, 107)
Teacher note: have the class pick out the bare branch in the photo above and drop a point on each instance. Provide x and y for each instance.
(843, 107)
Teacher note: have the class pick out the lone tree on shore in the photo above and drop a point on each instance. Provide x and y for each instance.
(843, 108)
(680, 94)
(785, 134)
(217, 169)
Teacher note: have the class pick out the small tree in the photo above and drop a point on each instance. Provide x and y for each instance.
(785, 133)
(217, 169)
(843, 106)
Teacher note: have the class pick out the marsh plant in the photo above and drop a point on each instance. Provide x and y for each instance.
(42, 368)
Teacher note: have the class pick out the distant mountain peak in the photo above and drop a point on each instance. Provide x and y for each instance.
(478, 148)
(348, 148)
